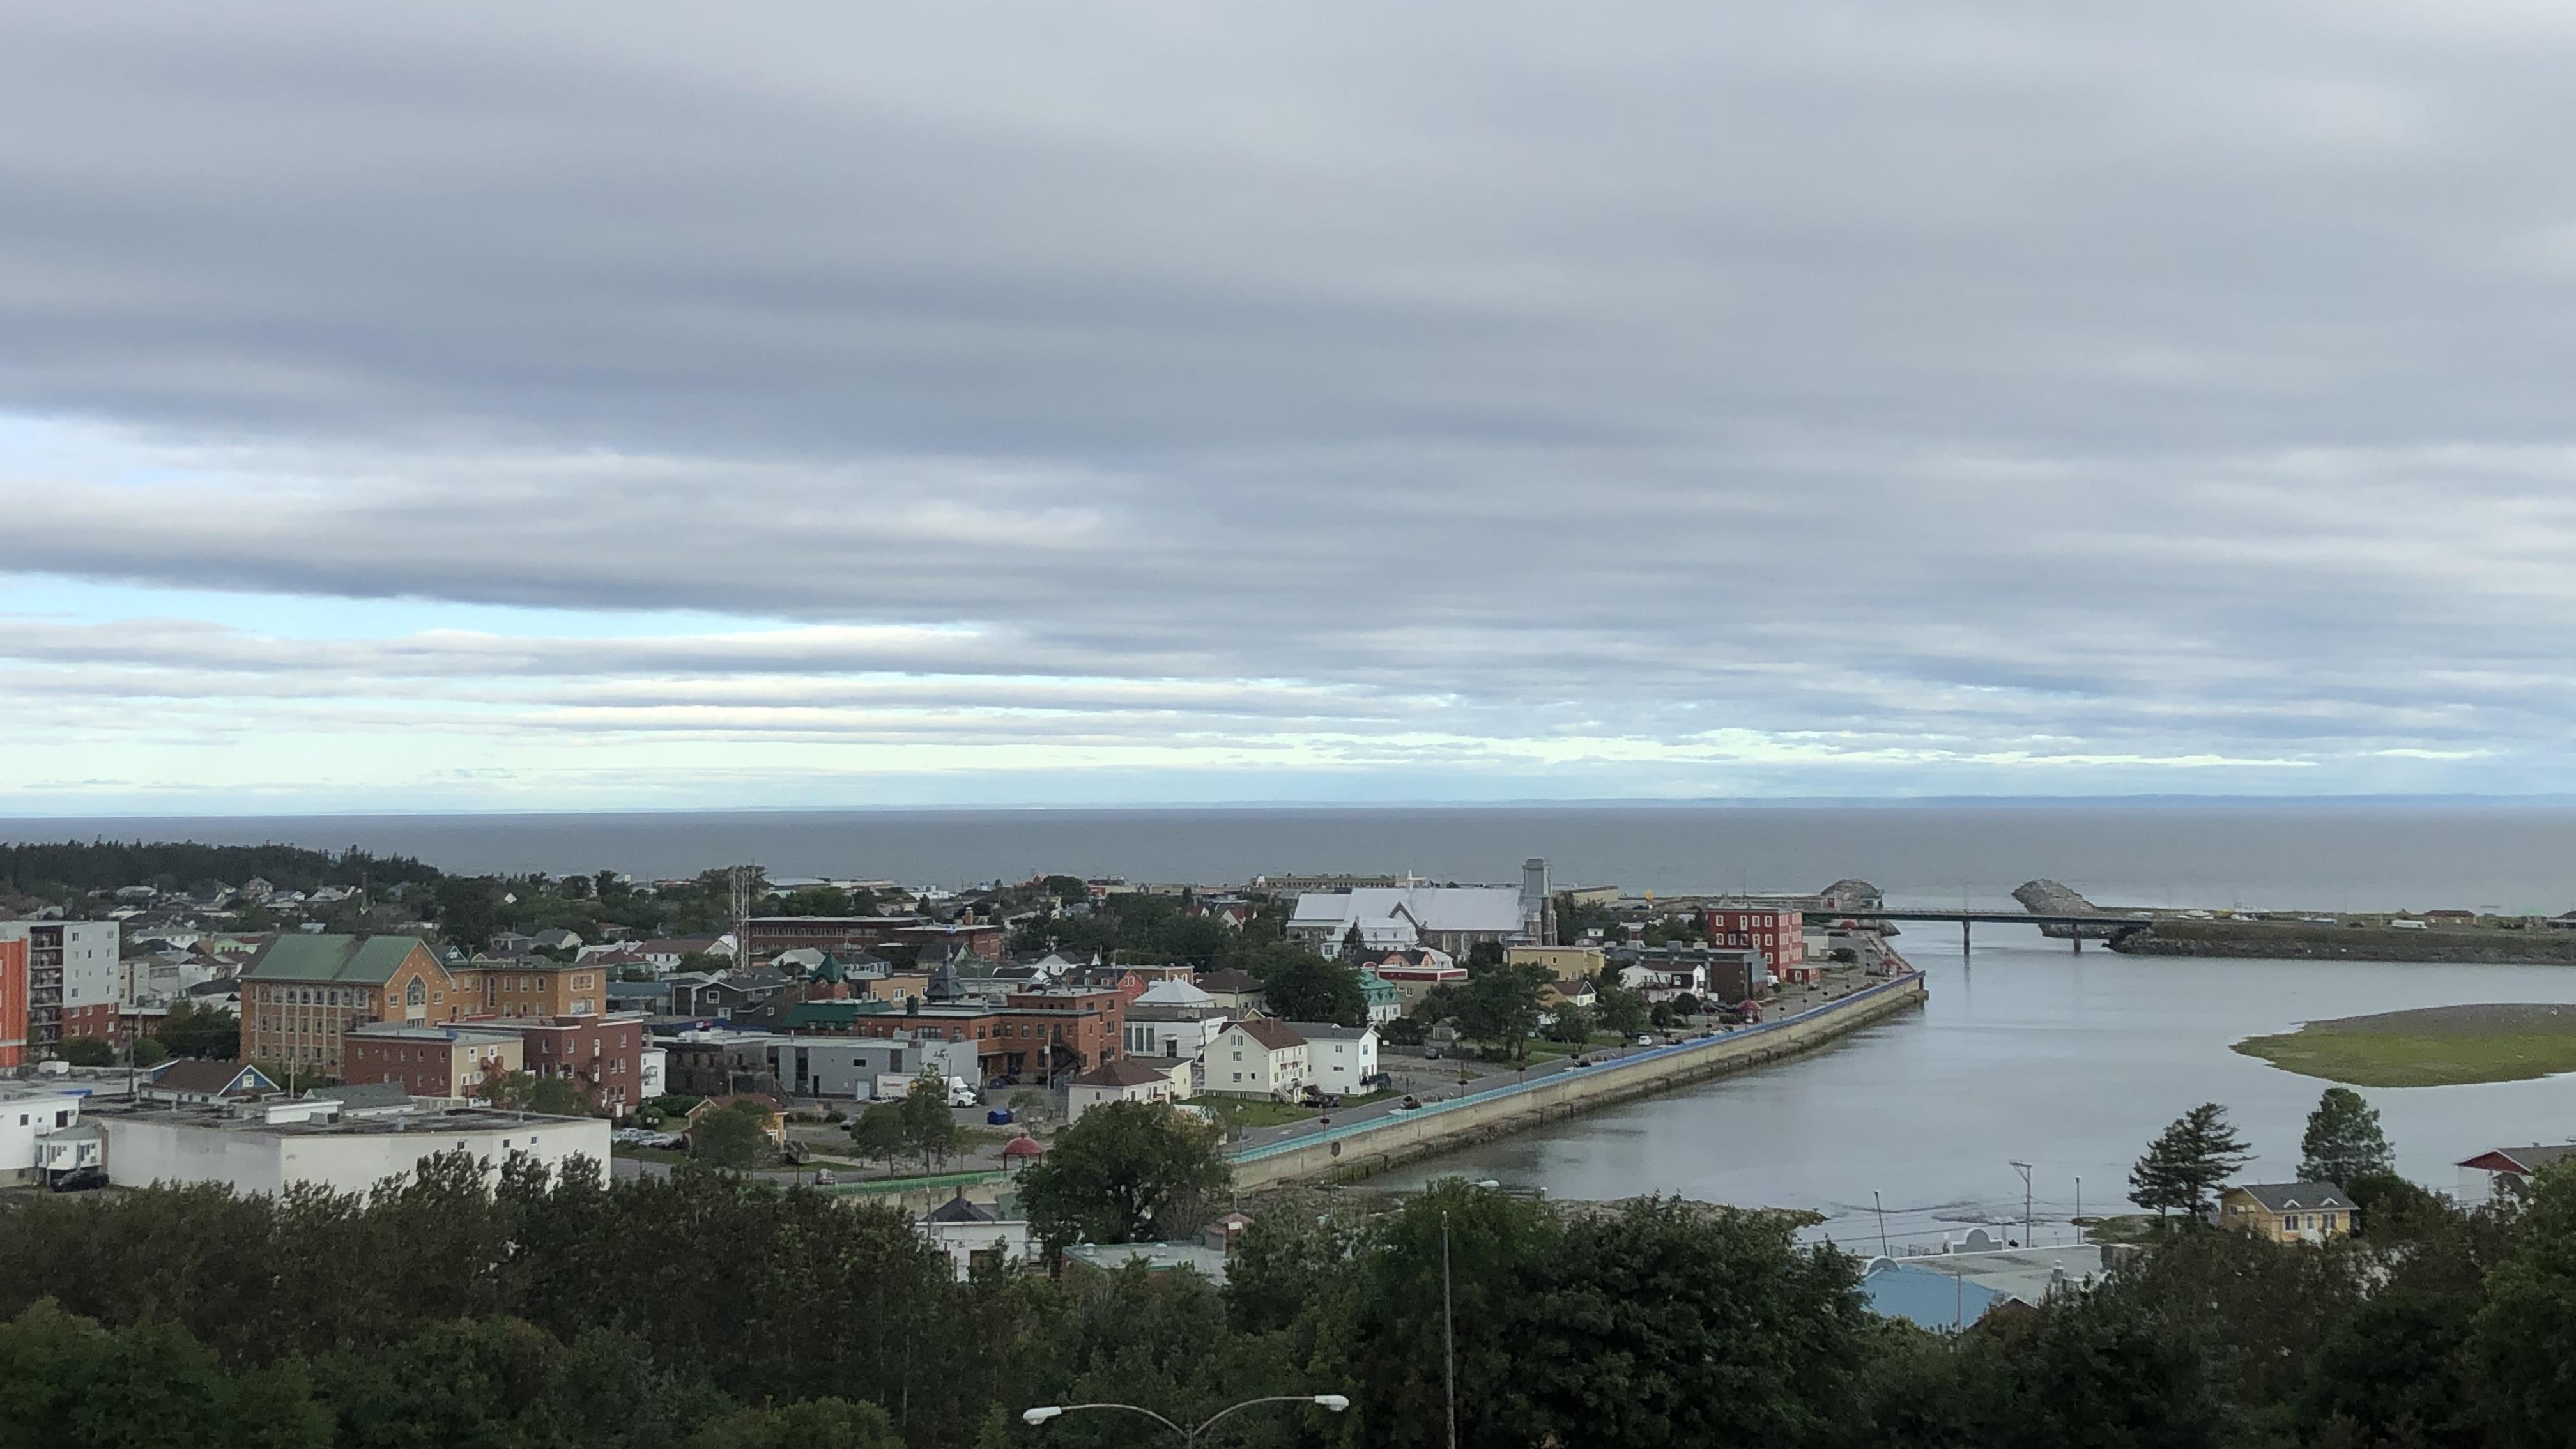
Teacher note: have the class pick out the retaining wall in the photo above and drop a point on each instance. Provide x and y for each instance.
(1362, 1148)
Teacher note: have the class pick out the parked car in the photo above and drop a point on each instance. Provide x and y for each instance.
(1409, 1104)
(81, 1179)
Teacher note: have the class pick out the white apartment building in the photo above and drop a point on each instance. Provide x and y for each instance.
(1340, 1059)
(28, 1116)
(1261, 1057)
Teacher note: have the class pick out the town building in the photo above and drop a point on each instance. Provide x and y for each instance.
(270, 1146)
(1259, 1057)
(13, 1004)
(29, 1115)
(75, 980)
(768, 935)
(2287, 1212)
(849, 1068)
(1341, 1060)
(1174, 1029)
(1032, 1033)
(1384, 998)
(2504, 1170)
(1779, 933)
(1565, 963)
(602, 1055)
(1236, 991)
(1715, 974)
(430, 1061)
(1413, 971)
(536, 986)
(1128, 1079)
(303, 994)
(974, 1235)
(1952, 1290)
(192, 1083)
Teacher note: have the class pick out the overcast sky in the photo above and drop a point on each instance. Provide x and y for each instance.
(457, 406)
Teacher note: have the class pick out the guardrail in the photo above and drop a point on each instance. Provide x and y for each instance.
(913, 1184)
(1673, 1052)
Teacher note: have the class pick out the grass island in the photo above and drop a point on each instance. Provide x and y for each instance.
(2434, 1046)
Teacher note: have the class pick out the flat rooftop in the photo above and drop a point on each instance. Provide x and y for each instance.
(249, 1117)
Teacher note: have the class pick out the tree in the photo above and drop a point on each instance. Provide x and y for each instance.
(1404, 1031)
(469, 910)
(1301, 986)
(1499, 1005)
(1573, 1025)
(2188, 1160)
(928, 1127)
(149, 1051)
(528, 1092)
(2525, 1336)
(1621, 1010)
(731, 1136)
(86, 1051)
(1126, 1172)
(1482, 954)
(878, 1132)
(806, 1424)
(2343, 1143)
(206, 1032)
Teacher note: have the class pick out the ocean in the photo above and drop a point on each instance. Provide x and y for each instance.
(2254, 853)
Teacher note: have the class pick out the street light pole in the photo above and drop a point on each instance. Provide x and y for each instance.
(1190, 1435)
(2024, 1169)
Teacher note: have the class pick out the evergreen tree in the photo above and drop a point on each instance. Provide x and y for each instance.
(2187, 1161)
(2343, 1143)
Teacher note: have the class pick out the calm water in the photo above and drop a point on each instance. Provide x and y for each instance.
(2068, 1063)
(2256, 853)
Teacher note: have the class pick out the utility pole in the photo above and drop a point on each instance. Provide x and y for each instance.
(1448, 1332)
(2024, 1169)
(1882, 1223)
(2079, 1207)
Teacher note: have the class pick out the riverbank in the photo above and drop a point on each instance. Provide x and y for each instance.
(2304, 941)
(1361, 1149)
(2439, 1046)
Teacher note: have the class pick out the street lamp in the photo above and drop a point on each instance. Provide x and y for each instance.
(1189, 1436)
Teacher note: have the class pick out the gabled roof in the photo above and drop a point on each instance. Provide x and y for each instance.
(1434, 908)
(212, 1078)
(2289, 1197)
(344, 960)
(1329, 1031)
(1271, 1032)
(958, 1210)
(1230, 980)
(1173, 993)
(1121, 1073)
(2526, 1160)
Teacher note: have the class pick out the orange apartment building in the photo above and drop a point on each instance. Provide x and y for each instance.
(535, 986)
(303, 995)
(13, 1003)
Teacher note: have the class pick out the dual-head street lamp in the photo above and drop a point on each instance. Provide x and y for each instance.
(1189, 1437)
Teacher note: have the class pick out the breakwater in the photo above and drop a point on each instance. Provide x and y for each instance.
(1360, 1149)
(2284, 941)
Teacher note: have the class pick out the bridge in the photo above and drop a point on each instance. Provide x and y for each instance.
(2111, 922)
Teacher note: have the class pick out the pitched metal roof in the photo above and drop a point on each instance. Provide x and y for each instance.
(1271, 1032)
(1329, 1031)
(1121, 1072)
(2529, 1159)
(359, 960)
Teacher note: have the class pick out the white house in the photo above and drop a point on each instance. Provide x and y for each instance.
(1126, 1079)
(27, 1117)
(968, 1232)
(1260, 1057)
(652, 1075)
(1341, 1059)
(1451, 918)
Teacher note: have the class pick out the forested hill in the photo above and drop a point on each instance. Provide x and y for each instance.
(104, 865)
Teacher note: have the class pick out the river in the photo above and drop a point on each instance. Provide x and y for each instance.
(2070, 1063)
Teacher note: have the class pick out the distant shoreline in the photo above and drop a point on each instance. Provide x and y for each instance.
(2487, 946)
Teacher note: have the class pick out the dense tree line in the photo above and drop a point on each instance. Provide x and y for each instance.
(51, 869)
(704, 1312)
(1152, 929)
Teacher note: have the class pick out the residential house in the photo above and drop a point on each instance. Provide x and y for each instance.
(1557, 995)
(1340, 1059)
(1259, 1057)
(665, 952)
(2287, 1212)
(773, 1121)
(2504, 1170)
(29, 1115)
(1565, 963)
(1174, 1020)
(972, 1234)
(1413, 971)
(192, 1083)
(1385, 1000)
(1237, 991)
(1128, 1079)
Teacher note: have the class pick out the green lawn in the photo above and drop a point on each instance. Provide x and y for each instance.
(646, 1154)
(2436, 1047)
(1253, 1112)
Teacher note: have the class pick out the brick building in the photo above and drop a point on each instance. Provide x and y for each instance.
(74, 976)
(429, 1061)
(1032, 1033)
(1780, 935)
(302, 995)
(604, 1055)
(13, 1004)
(535, 986)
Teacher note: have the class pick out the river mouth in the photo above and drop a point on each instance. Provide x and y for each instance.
(2431, 1046)
(2028, 1052)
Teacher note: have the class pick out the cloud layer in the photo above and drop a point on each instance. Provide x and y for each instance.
(1341, 403)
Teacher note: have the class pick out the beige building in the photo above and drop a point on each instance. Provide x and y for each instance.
(1565, 963)
(1262, 1057)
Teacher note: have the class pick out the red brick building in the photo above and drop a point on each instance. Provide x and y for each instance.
(1032, 1033)
(429, 1061)
(603, 1054)
(1780, 935)
(13, 1003)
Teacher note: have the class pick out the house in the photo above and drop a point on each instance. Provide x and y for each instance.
(2452, 918)
(200, 1083)
(1127, 1079)
(1556, 994)
(1340, 1059)
(1260, 1057)
(1385, 1000)
(29, 1117)
(1953, 1289)
(972, 1234)
(773, 1122)
(1413, 971)
(556, 939)
(1565, 963)
(2504, 1170)
(2287, 1212)
(1174, 1019)
(664, 952)
(1234, 990)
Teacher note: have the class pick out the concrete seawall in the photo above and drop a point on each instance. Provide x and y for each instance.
(1363, 1148)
